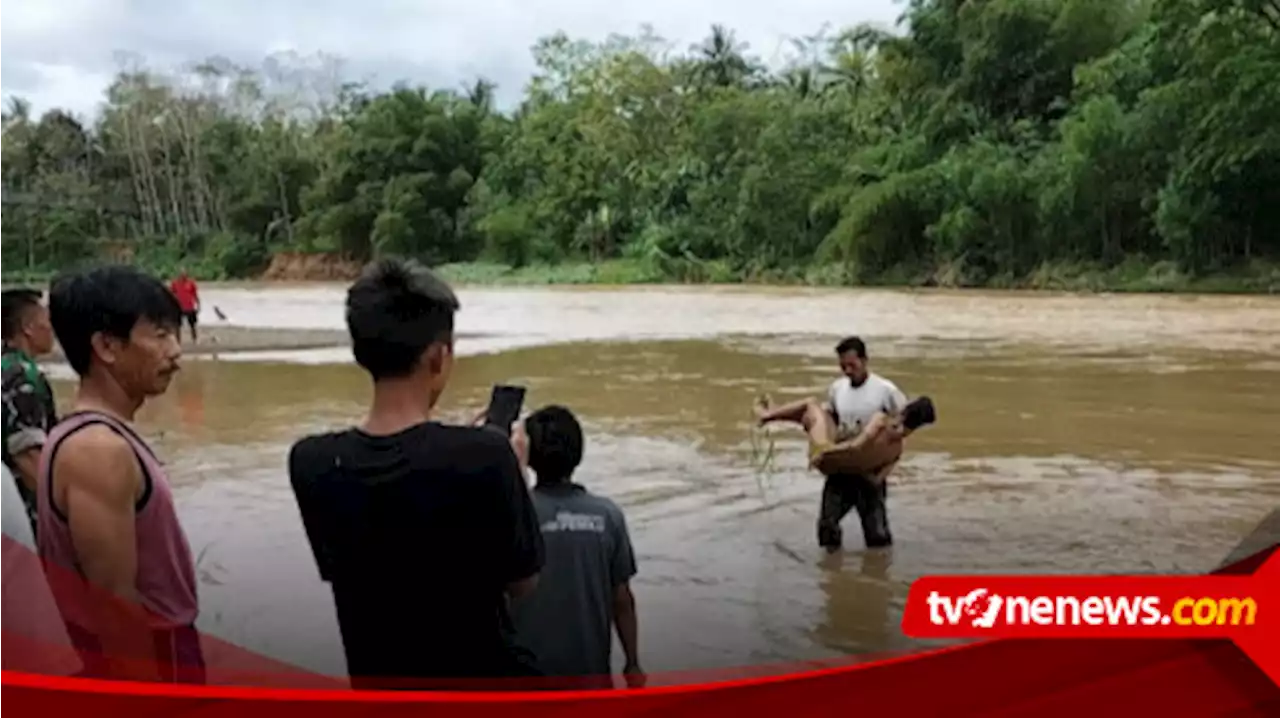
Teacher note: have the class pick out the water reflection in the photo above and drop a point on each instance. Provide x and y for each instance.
(863, 606)
(190, 391)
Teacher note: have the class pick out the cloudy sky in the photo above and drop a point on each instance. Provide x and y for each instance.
(62, 53)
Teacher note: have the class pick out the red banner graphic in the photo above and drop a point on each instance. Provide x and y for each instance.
(1192, 674)
(1243, 609)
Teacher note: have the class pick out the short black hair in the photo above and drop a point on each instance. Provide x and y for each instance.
(555, 443)
(852, 344)
(395, 310)
(111, 299)
(16, 302)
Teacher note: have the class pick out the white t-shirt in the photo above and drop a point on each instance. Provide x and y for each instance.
(854, 406)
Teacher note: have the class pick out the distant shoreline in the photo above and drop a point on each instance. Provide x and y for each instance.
(218, 339)
(228, 339)
(1261, 279)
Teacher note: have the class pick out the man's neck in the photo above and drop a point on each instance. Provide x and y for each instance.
(397, 405)
(22, 346)
(559, 484)
(106, 397)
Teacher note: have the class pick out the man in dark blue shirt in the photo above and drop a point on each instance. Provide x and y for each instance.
(584, 591)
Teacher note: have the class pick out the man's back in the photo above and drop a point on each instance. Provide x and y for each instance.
(567, 621)
(419, 533)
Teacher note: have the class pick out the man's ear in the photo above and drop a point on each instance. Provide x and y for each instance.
(436, 357)
(105, 347)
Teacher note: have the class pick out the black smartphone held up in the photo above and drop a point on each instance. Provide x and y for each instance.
(504, 407)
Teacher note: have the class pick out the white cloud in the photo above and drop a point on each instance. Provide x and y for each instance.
(62, 53)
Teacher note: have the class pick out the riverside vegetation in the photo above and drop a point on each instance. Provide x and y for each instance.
(1070, 144)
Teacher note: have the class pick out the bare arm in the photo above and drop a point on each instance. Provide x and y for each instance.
(525, 550)
(27, 464)
(627, 625)
(101, 479)
(622, 568)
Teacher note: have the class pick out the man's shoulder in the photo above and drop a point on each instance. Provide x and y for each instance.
(12, 372)
(99, 438)
(470, 446)
(882, 381)
(316, 442)
(465, 447)
(312, 451)
(96, 451)
(606, 503)
(471, 436)
(600, 503)
(615, 518)
(17, 367)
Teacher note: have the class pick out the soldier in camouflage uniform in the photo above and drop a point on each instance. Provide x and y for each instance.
(28, 404)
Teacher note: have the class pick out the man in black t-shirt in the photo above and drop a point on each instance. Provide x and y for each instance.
(424, 531)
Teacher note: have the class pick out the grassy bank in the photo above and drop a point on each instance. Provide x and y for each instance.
(1132, 276)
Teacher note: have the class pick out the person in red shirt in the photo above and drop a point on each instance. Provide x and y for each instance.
(188, 296)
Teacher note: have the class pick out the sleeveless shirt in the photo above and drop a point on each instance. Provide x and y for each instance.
(166, 581)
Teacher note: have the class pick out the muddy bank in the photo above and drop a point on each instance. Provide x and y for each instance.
(217, 339)
(311, 267)
(225, 339)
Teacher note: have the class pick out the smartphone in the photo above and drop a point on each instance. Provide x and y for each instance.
(504, 407)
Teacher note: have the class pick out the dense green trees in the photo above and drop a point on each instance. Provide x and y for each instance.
(992, 142)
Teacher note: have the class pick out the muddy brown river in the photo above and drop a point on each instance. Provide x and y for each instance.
(1098, 434)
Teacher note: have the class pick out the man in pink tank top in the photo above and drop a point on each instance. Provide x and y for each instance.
(114, 551)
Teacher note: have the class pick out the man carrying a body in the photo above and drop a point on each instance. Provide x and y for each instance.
(855, 440)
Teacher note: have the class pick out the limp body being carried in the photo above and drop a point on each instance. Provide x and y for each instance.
(855, 440)
(870, 447)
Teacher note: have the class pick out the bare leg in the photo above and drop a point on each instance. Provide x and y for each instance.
(808, 413)
(793, 412)
(818, 424)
